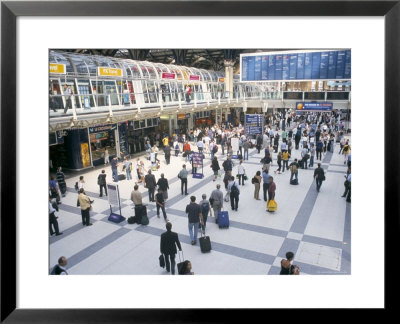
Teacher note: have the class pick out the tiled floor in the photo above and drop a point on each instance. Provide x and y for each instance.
(315, 226)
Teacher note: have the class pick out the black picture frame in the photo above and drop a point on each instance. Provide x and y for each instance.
(10, 10)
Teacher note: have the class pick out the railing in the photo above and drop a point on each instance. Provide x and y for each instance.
(85, 103)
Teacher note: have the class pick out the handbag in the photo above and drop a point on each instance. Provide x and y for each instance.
(162, 261)
(245, 177)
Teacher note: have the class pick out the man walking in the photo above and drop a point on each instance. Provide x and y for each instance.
(194, 217)
(160, 203)
(319, 176)
(183, 176)
(294, 167)
(233, 189)
(169, 241)
(101, 181)
(217, 198)
(167, 153)
(150, 183)
(59, 268)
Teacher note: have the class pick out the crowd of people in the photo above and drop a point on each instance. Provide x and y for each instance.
(313, 134)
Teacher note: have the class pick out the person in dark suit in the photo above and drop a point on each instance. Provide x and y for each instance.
(168, 243)
(150, 182)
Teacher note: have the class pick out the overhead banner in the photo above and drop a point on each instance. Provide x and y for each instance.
(314, 106)
(57, 68)
(296, 66)
(103, 71)
(254, 124)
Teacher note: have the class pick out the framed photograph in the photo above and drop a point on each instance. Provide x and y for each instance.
(29, 29)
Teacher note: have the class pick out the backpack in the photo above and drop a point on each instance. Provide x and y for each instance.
(205, 207)
(345, 148)
(293, 168)
(76, 186)
(234, 189)
(176, 147)
(130, 166)
(215, 149)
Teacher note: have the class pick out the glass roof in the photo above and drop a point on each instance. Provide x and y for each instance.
(87, 65)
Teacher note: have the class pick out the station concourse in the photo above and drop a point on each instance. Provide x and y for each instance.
(118, 104)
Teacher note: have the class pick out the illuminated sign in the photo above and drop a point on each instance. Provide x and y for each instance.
(221, 79)
(57, 68)
(166, 75)
(194, 77)
(104, 71)
(314, 106)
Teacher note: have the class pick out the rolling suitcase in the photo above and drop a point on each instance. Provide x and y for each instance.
(182, 264)
(205, 243)
(121, 177)
(223, 219)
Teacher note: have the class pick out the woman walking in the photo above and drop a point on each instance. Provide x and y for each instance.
(279, 161)
(256, 181)
(215, 167)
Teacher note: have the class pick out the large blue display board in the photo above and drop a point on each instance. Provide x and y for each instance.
(314, 106)
(254, 124)
(296, 65)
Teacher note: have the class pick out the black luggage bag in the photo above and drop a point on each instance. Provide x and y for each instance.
(205, 243)
(139, 212)
(131, 220)
(121, 177)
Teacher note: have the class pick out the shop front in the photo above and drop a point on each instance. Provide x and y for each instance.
(203, 119)
(183, 122)
(103, 137)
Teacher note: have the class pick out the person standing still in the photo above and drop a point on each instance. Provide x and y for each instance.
(169, 241)
(101, 181)
(68, 98)
(241, 173)
(256, 181)
(167, 153)
(266, 183)
(52, 218)
(128, 168)
(114, 169)
(150, 183)
(194, 218)
(106, 156)
(183, 176)
(85, 204)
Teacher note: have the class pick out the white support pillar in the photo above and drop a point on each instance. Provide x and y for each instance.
(229, 77)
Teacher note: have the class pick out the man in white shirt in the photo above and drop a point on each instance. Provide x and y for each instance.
(200, 146)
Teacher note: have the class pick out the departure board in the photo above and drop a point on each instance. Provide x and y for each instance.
(254, 124)
(296, 66)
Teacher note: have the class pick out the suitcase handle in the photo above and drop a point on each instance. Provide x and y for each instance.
(179, 256)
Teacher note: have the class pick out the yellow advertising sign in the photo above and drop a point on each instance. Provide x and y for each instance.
(57, 68)
(221, 79)
(104, 71)
(85, 155)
